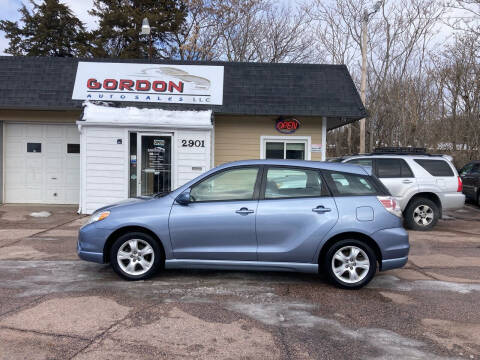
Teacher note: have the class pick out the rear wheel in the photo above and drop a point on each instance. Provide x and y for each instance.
(350, 264)
(421, 214)
(135, 256)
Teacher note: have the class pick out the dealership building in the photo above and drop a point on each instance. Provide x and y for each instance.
(96, 131)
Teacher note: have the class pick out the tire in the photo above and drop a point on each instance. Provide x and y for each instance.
(478, 198)
(136, 256)
(421, 214)
(334, 263)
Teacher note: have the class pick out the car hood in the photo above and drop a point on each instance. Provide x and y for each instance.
(126, 202)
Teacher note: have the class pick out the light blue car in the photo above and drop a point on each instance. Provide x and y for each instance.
(275, 215)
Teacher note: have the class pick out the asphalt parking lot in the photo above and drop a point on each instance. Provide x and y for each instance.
(53, 305)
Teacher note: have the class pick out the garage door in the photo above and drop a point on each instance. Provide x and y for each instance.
(42, 164)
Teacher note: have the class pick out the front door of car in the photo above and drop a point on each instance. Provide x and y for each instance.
(295, 212)
(219, 221)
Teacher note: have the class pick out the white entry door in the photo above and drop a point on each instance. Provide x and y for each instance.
(42, 164)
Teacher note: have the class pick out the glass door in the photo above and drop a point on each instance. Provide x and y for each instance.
(155, 163)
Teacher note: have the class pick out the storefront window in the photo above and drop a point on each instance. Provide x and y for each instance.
(274, 150)
(285, 150)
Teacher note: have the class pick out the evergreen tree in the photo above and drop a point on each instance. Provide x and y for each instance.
(50, 29)
(120, 24)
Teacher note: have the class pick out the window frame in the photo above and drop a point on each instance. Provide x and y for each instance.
(325, 188)
(286, 139)
(256, 189)
(377, 184)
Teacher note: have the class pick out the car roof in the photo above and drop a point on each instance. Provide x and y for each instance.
(356, 169)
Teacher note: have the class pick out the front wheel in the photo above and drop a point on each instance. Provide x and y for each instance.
(350, 264)
(135, 256)
(421, 214)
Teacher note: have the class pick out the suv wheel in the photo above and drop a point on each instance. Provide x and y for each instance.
(421, 214)
(135, 256)
(350, 264)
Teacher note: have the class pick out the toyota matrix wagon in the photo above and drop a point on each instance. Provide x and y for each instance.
(273, 215)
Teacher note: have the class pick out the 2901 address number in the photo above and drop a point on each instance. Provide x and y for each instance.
(193, 143)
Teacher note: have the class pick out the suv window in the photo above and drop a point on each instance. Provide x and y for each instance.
(292, 183)
(351, 184)
(235, 184)
(436, 167)
(476, 169)
(392, 168)
(362, 162)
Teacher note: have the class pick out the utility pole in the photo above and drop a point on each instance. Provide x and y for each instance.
(363, 84)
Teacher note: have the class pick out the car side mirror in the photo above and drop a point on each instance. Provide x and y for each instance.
(184, 198)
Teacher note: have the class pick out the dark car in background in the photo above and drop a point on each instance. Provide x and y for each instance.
(470, 175)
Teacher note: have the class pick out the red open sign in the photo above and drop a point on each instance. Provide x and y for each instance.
(287, 126)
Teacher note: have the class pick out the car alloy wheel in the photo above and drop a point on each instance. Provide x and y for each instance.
(350, 264)
(135, 257)
(423, 215)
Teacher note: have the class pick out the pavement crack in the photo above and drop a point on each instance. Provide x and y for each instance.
(105, 332)
(38, 233)
(421, 270)
(45, 333)
(283, 340)
(21, 307)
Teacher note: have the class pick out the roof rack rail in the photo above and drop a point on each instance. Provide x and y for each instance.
(401, 150)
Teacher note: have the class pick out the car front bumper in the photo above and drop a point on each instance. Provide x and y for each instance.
(91, 242)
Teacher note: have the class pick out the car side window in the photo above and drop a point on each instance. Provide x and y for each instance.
(466, 169)
(362, 162)
(293, 183)
(436, 167)
(475, 169)
(393, 168)
(228, 185)
(351, 184)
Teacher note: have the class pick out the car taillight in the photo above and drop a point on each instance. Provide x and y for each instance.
(390, 204)
(460, 184)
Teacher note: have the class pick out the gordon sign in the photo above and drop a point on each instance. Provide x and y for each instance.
(287, 126)
(187, 84)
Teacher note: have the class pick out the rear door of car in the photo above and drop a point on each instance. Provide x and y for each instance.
(295, 212)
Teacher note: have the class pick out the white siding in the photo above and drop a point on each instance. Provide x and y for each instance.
(105, 163)
(191, 161)
(105, 166)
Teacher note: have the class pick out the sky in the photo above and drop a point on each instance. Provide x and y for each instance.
(9, 11)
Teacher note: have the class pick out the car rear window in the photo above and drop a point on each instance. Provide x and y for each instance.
(393, 168)
(436, 167)
(347, 184)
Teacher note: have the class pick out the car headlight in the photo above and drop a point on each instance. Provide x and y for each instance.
(98, 216)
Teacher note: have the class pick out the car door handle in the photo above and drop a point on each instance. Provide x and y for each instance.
(407, 181)
(244, 211)
(321, 209)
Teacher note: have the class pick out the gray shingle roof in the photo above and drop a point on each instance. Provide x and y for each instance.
(46, 83)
